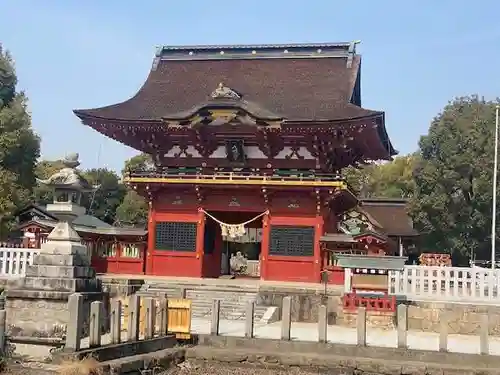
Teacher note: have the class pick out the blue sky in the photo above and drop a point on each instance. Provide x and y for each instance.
(417, 55)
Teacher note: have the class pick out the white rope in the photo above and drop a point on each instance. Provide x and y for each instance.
(233, 230)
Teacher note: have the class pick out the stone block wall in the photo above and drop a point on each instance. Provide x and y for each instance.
(462, 318)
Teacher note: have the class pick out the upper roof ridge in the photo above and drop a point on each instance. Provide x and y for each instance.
(249, 51)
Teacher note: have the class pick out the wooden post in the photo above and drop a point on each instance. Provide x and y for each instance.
(361, 326)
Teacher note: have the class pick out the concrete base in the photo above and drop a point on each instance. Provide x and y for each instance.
(37, 304)
(42, 314)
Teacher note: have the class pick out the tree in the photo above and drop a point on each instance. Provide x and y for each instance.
(19, 145)
(138, 162)
(452, 202)
(42, 194)
(134, 208)
(394, 179)
(386, 180)
(106, 199)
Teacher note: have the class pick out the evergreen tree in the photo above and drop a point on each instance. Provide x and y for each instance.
(19, 145)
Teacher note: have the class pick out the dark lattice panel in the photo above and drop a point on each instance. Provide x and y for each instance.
(173, 236)
(292, 241)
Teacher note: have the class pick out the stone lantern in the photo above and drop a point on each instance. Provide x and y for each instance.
(68, 186)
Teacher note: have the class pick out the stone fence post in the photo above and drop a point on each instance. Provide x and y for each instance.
(75, 323)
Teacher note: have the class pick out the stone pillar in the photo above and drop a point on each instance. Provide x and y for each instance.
(96, 318)
(150, 318)
(134, 310)
(163, 316)
(116, 321)
(286, 319)
(3, 327)
(323, 324)
(443, 332)
(484, 347)
(75, 324)
(214, 324)
(249, 319)
(402, 325)
(361, 326)
(38, 303)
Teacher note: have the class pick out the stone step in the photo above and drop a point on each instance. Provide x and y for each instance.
(232, 306)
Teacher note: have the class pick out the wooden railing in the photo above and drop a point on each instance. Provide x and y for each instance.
(237, 176)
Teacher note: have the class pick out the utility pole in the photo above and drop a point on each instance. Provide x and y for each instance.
(494, 208)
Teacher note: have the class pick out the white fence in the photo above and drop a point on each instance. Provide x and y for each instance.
(454, 284)
(14, 261)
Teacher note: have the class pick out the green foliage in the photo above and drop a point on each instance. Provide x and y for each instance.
(387, 180)
(141, 161)
(134, 208)
(8, 78)
(43, 194)
(104, 202)
(19, 146)
(453, 192)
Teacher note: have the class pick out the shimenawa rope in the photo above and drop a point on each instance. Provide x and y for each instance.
(233, 230)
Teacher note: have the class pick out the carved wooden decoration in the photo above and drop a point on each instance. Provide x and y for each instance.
(223, 92)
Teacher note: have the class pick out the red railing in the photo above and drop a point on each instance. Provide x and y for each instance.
(351, 302)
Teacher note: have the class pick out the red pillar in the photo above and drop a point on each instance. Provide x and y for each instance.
(318, 232)
(151, 240)
(264, 246)
(200, 237)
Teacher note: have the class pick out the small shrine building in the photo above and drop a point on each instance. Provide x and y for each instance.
(248, 144)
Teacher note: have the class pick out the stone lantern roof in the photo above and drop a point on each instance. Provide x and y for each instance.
(69, 177)
(68, 185)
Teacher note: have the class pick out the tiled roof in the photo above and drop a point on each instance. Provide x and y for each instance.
(297, 82)
(391, 214)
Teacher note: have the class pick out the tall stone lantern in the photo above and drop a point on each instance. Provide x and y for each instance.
(37, 304)
(68, 186)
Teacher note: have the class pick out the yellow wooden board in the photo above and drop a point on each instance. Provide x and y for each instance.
(179, 317)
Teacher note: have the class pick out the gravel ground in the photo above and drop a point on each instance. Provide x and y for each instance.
(221, 369)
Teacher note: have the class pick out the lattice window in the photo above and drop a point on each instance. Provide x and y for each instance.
(175, 236)
(292, 241)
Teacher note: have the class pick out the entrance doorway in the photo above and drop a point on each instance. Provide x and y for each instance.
(240, 256)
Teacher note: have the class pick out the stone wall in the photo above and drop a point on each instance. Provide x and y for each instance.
(462, 318)
(46, 317)
(120, 288)
(305, 302)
